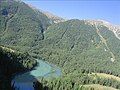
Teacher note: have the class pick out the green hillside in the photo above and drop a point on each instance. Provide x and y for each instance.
(12, 62)
(21, 25)
(75, 45)
(80, 48)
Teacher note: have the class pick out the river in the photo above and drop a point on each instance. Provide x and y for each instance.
(25, 80)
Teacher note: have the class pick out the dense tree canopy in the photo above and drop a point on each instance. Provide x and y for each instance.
(78, 47)
(12, 62)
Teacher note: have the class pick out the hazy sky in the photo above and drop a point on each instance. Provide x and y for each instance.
(108, 10)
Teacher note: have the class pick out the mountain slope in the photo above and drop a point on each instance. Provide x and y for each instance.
(20, 24)
(53, 18)
(12, 62)
(75, 45)
(79, 47)
(114, 28)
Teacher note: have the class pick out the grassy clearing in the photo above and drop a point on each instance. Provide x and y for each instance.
(103, 75)
(98, 87)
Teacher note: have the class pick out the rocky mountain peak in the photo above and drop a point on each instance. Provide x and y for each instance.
(111, 27)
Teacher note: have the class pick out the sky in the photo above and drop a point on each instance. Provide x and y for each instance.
(108, 10)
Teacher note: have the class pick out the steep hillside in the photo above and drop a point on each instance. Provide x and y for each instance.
(20, 24)
(111, 27)
(79, 47)
(12, 62)
(53, 18)
(76, 45)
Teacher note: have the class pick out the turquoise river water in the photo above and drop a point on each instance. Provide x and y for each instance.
(25, 80)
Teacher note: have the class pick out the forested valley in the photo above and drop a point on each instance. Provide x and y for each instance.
(87, 52)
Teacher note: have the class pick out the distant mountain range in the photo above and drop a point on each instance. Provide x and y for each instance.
(52, 17)
(77, 46)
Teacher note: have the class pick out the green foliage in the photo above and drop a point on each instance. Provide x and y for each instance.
(76, 81)
(16, 58)
(77, 47)
(22, 25)
(73, 45)
(12, 62)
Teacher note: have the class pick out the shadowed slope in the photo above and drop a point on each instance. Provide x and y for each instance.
(12, 62)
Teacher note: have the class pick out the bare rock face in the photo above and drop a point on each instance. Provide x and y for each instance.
(111, 27)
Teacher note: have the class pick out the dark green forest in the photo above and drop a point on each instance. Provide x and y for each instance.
(11, 63)
(77, 47)
(76, 81)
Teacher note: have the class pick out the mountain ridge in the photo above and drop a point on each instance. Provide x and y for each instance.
(52, 17)
(114, 28)
(78, 47)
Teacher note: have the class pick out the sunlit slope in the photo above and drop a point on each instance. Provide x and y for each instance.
(21, 25)
(77, 45)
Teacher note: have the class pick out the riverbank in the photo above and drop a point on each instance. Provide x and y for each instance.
(44, 69)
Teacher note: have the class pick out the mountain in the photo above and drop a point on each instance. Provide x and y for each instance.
(53, 18)
(114, 28)
(21, 25)
(82, 46)
(87, 51)
(79, 44)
